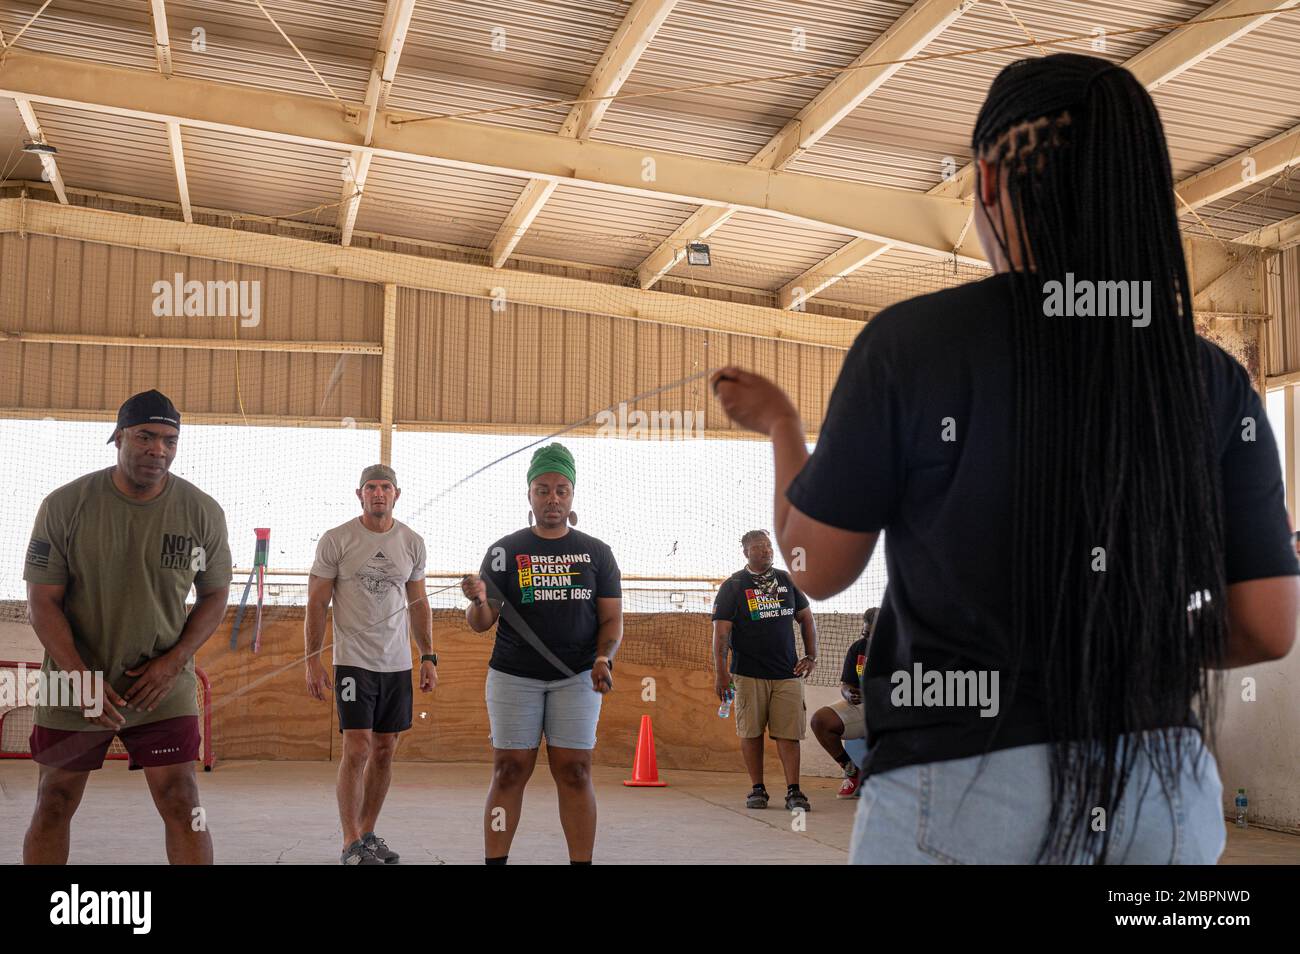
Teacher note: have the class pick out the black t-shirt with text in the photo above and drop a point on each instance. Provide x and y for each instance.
(942, 364)
(854, 660)
(552, 586)
(761, 609)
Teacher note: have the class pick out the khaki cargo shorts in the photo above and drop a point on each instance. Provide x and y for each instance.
(773, 704)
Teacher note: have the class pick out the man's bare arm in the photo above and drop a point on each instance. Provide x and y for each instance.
(319, 593)
(721, 640)
(45, 613)
(204, 618)
(808, 630)
(417, 598)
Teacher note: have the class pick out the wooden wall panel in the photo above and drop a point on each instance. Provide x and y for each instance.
(261, 709)
(260, 706)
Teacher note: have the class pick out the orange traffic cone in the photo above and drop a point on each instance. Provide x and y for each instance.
(645, 771)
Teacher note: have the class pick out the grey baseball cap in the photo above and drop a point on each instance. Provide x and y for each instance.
(378, 472)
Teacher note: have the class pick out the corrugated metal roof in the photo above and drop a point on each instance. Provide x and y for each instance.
(756, 251)
(237, 43)
(435, 204)
(1271, 200)
(263, 176)
(450, 64)
(1245, 93)
(110, 153)
(899, 274)
(241, 46)
(705, 41)
(902, 135)
(120, 33)
(605, 228)
(899, 137)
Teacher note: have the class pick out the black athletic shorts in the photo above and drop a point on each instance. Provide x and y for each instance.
(378, 701)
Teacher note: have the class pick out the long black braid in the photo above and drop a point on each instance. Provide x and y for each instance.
(1113, 441)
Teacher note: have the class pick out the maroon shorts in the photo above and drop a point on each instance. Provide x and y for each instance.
(166, 742)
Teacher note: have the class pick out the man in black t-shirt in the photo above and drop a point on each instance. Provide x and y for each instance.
(752, 616)
(835, 723)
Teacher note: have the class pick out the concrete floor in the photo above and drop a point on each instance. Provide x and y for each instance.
(284, 813)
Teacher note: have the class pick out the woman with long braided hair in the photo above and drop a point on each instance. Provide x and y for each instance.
(1082, 500)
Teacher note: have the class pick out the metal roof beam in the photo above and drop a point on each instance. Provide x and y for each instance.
(34, 130)
(908, 35)
(1174, 53)
(899, 216)
(634, 34)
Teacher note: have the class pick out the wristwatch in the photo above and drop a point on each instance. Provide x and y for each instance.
(607, 661)
(430, 657)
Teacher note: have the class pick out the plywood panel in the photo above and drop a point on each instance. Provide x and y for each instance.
(261, 709)
(260, 706)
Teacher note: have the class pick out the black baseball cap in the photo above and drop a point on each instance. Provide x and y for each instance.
(145, 408)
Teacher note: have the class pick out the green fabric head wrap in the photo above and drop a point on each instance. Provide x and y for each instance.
(552, 459)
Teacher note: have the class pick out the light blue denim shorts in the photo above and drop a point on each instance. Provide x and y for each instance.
(520, 710)
(947, 813)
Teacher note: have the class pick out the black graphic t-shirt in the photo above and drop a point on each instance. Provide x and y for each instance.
(552, 586)
(761, 610)
(944, 361)
(854, 660)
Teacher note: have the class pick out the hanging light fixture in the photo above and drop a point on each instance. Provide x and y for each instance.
(697, 253)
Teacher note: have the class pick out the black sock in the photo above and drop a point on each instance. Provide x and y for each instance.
(760, 787)
(495, 861)
(843, 759)
(572, 862)
(791, 789)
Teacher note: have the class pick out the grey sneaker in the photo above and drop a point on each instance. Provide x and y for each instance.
(358, 853)
(797, 800)
(379, 848)
(757, 798)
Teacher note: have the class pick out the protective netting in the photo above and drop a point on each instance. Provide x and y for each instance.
(287, 362)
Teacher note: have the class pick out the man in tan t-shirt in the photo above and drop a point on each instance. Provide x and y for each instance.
(111, 559)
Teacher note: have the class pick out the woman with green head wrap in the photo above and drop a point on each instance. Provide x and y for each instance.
(555, 596)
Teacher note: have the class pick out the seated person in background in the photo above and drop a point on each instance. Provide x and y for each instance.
(844, 720)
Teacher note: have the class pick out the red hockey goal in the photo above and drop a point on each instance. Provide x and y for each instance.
(16, 722)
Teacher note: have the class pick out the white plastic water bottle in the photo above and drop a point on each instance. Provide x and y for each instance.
(724, 710)
(1241, 808)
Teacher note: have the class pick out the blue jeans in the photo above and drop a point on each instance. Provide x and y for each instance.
(521, 710)
(948, 813)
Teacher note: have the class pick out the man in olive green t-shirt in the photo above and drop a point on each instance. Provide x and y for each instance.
(111, 560)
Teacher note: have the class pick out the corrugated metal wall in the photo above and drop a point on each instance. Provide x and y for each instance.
(1284, 305)
(82, 288)
(457, 361)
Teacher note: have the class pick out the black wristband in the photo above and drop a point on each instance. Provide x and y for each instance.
(430, 657)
